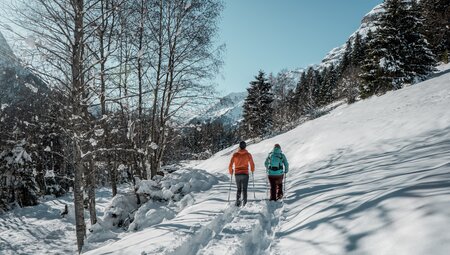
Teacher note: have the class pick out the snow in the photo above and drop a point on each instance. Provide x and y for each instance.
(99, 132)
(31, 87)
(368, 178)
(30, 41)
(93, 142)
(41, 229)
(154, 146)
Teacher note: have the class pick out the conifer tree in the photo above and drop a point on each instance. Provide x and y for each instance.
(383, 67)
(358, 49)
(257, 107)
(346, 59)
(419, 59)
(398, 52)
(436, 25)
(307, 91)
(327, 86)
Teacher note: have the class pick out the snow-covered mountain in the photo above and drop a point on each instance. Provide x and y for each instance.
(6, 54)
(228, 110)
(17, 84)
(368, 178)
(368, 23)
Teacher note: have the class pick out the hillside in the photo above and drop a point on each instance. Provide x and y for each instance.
(368, 178)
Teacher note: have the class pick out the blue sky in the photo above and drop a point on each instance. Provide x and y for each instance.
(275, 34)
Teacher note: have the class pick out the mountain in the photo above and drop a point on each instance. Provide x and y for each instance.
(6, 54)
(17, 84)
(368, 23)
(228, 110)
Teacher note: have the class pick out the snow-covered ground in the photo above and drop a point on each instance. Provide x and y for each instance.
(367, 178)
(41, 229)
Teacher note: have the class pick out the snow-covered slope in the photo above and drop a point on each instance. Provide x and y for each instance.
(368, 178)
(228, 110)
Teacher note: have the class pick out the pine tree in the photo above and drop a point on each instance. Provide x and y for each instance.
(328, 85)
(358, 50)
(257, 107)
(281, 84)
(370, 68)
(436, 25)
(346, 59)
(398, 52)
(383, 66)
(419, 59)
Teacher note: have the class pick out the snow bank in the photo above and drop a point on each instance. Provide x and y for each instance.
(163, 198)
(174, 186)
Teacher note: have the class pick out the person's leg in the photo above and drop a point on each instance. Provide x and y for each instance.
(280, 187)
(244, 188)
(273, 187)
(239, 189)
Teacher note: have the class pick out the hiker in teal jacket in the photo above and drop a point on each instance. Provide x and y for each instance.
(276, 166)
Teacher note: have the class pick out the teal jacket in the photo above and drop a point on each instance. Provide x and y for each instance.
(277, 153)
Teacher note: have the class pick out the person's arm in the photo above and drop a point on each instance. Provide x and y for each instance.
(267, 162)
(230, 167)
(286, 164)
(252, 164)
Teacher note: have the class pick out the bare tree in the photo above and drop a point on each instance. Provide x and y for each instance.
(183, 32)
(57, 31)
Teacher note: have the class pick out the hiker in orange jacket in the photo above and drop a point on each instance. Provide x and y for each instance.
(241, 161)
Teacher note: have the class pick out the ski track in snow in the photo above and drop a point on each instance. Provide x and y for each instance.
(238, 230)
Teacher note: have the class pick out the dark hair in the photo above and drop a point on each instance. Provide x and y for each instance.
(242, 145)
(277, 146)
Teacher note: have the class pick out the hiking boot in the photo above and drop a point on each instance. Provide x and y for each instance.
(238, 203)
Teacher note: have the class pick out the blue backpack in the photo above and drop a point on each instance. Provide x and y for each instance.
(276, 161)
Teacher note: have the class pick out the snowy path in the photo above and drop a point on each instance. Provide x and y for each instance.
(237, 231)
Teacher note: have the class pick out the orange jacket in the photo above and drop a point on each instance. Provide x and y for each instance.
(240, 160)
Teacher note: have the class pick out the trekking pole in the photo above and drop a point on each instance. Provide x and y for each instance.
(254, 192)
(229, 189)
(284, 185)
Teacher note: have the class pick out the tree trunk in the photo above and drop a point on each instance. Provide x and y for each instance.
(78, 93)
(113, 175)
(91, 180)
(78, 197)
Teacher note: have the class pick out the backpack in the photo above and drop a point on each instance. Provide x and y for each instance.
(276, 161)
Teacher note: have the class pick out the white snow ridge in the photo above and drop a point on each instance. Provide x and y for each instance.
(368, 178)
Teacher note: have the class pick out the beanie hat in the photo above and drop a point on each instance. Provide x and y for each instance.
(242, 145)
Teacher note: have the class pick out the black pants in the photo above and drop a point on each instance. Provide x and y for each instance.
(241, 183)
(276, 186)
